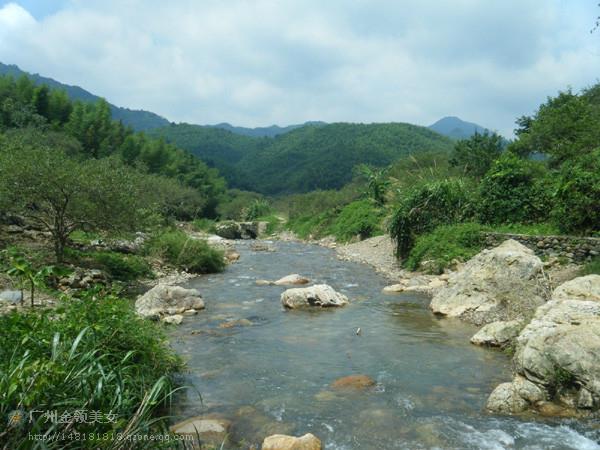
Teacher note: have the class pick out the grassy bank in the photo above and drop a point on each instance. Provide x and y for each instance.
(92, 357)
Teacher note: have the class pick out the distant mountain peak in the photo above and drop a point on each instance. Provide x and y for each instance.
(456, 128)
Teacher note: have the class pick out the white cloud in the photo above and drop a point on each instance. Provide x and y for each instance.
(266, 61)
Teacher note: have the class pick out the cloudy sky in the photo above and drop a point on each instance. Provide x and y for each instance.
(260, 62)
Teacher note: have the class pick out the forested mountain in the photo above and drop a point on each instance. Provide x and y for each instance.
(272, 131)
(456, 128)
(307, 158)
(42, 116)
(139, 120)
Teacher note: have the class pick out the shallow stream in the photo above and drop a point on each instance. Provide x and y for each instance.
(271, 373)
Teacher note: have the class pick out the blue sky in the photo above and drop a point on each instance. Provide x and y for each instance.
(39, 8)
(260, 62)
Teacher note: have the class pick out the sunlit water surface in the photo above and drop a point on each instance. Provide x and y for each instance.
(274, 376)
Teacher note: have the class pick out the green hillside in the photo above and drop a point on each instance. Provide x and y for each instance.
(307, 158)
(139, 120)
(217, 147)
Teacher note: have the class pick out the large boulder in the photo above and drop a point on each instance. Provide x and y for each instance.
(228, 230)
(282, 442)
(582, 288)
(238, 230)
(504, 283)
(559, 351)
(321, 295)
(164, 299)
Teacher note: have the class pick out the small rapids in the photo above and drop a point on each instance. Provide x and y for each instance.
(269, 370)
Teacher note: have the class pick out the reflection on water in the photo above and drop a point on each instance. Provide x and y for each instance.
(270, 370)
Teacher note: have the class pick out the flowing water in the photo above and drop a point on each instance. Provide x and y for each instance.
(272, 373)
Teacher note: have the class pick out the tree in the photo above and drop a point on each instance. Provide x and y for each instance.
(476, 154)
(62, 194)
(514, 190)
(566, 126)
(577, 207)
(377, 183)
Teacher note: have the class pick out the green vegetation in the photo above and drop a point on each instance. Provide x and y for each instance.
(235, 202)
(312, 157)
(424, 207)
(475, 156)
(85, 132)
(118, 266)
(544, 228)
(258, 208)
(274, 223)
(514, 190)
(192, 255)
(93, 354)
(560, 379)
(545, 182)
(360, 218)
(29, 277)
(137, 119)
(577, 200)
(592, 267)
(446, 243)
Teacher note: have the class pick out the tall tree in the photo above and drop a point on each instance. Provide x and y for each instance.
(41, 182)
(476, 154)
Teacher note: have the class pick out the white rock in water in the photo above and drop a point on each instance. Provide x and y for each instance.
(504, 283)
(558, 355)
(506, 400)
(321, 295)
(292, 279)
(282, 442)
(164, 299)
(175, 319)
(394, 288)
(208, 428)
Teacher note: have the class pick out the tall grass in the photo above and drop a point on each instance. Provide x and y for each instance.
(91, 355)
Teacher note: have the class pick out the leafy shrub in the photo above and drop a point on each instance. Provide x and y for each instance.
(234, 202)
(424, 207)
(577, 207)
(185, 252)
(445, 244)
(256, 209)
(360, 218)
(119, 266)
(514, 191)
(476, 154)
(207, 225)
(123, 267)
(93, 354)
(317, 202)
